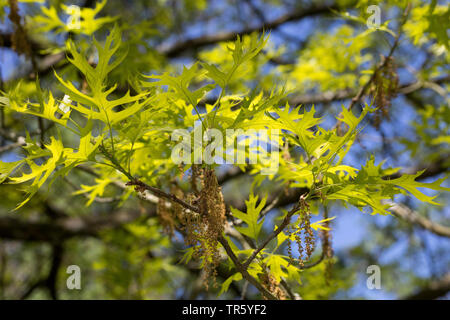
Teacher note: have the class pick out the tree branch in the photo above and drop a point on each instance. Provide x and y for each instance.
(344, 94)
(64, 228)
(403, 212)
(243, 270)
(142, 186)
(274, 234)
(434, 290)
(196, 43)
(51, 280)
(383, 63)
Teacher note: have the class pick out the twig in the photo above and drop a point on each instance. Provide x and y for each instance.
(433, 290)
(9, 147)
(244, 290)
(202, 41)
(243, 270)
(142, 186)
(270, 206)
(274, 234)
(50, 281)
(403, 212)
(288, 289)
(383, 63)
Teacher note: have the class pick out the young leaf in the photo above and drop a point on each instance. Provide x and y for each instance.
(226, 284)
(251, 217)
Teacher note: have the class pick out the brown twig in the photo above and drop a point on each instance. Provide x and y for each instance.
(243, 270)
(383, 63)
(403, 212)
(274, 234)
(142, 186)
(196, 43)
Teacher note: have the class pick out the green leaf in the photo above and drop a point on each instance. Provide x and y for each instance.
(180, 84)
(371, 175)
(369, 188)
(86, 23)
(338, 147)
(40, 173)
(253, 227)
(318, 224)
(6, 168)
(276, 264)
(241, 54)
(218, 76)
(86, 147)
(49, 109)
(95, 190)
(226, 284)
(98, 106)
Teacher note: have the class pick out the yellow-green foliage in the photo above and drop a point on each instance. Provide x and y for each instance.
(125, 135)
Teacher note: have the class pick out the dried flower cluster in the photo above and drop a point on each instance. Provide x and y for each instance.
(303, 224)
(178, 209)
(287, 157)
(384, 89)
(19, 41)
(269, 282)
(203, 230)
(165, 216)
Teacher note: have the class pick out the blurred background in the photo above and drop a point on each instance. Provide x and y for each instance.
(323, 51)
